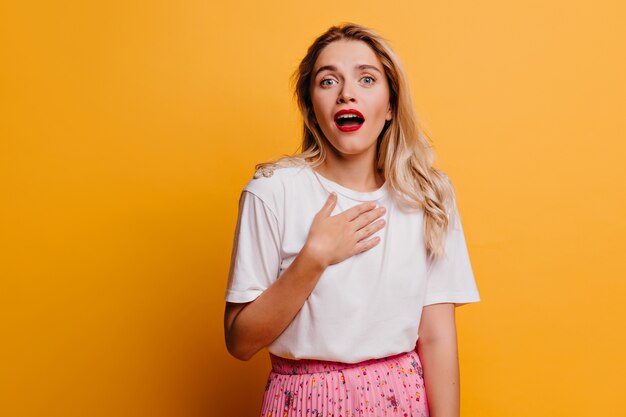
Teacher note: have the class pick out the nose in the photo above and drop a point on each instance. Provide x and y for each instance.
(346, 95)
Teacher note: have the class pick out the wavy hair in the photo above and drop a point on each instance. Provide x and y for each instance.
(403, 151)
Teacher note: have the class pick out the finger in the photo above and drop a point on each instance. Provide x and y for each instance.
(357, 210)
(329, 205)
(364, 245)
(366, 218)
(368, 230)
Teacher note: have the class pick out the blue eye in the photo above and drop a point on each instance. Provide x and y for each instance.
(326, 82)
(368, 80)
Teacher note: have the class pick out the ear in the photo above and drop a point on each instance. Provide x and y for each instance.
(389, 114)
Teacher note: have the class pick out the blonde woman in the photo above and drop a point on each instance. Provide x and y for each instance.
(349, 257)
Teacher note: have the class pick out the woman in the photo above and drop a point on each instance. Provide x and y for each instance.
(349, 258)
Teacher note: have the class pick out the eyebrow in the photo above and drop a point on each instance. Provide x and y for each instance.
(357, 67)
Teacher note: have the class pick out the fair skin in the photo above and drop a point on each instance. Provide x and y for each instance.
(249, 327)
(349, 75)
(437, 349)
(346, 75)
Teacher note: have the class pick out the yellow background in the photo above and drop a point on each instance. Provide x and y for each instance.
(129, 128)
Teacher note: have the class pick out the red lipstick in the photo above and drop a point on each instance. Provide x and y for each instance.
(349, 120)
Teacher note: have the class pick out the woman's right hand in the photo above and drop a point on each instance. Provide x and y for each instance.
(332, 239)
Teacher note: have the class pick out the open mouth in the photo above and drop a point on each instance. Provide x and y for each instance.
(349, 120)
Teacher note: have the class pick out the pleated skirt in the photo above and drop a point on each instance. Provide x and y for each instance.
(390, 386)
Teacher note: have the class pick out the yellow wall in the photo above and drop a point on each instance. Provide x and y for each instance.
(129, 128)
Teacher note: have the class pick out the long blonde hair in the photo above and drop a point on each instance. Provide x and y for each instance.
(403, 152)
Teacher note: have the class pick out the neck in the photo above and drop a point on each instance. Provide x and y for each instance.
(359, 174)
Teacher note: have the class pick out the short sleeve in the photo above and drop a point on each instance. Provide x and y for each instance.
(450, 279)
(255, 259)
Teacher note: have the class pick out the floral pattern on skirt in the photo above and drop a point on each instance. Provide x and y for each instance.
(391, 386)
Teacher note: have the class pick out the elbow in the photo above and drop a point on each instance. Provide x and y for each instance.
(240, 342)
(437, 339)
(237, 351)
(237, 354)
(439, 343)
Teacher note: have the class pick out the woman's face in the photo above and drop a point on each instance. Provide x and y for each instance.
(350, 96)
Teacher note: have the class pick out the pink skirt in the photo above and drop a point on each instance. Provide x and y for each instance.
(391, 386)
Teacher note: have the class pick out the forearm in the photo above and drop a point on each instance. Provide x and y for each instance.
(440, 364)
(259, 323)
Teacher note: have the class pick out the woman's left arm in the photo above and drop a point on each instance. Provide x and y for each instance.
(438, 352)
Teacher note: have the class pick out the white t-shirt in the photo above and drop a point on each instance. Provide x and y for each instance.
(367, 306)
